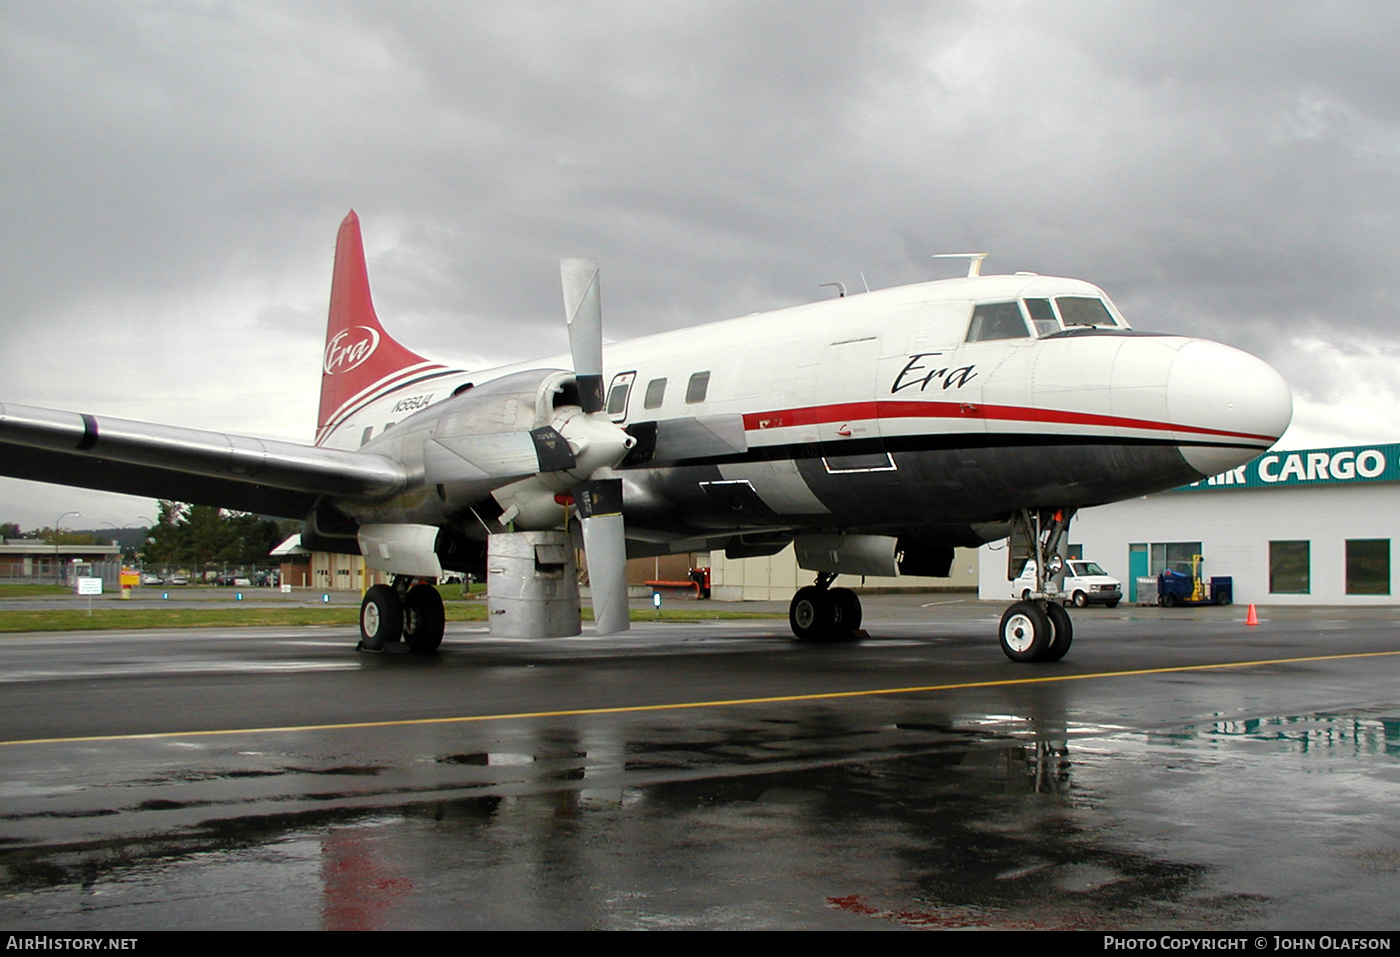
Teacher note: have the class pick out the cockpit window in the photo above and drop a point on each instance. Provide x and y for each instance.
(1084, 311)
(1042, 316)
(997, 320)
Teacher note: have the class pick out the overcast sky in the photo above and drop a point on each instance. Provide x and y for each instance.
(174, 174)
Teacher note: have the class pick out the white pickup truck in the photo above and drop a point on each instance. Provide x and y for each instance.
(1085, 584)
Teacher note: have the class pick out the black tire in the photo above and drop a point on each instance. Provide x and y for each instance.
(1063, 632)
(1080, 599)
(1025, 632)
(1111, 604)
(848, 612)
(812, 615)
(424, 619)
(1168, 600)
(381, 618)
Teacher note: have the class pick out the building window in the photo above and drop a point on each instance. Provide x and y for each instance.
(1368, 566)
(1289, 564)
(1178, 556)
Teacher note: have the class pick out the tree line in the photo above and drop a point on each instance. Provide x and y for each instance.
(202, 535)
(185, 535)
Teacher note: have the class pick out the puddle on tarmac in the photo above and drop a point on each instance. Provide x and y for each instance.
(989, 822)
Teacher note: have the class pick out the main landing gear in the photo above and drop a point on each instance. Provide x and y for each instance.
(1037, 628)
(403, 610)
(821, 613)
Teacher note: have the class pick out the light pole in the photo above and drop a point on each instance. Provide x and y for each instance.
(57, 523)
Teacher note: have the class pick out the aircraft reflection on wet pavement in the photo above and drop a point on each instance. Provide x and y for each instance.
(813, 816)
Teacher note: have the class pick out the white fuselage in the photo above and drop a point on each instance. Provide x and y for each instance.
(906, 407)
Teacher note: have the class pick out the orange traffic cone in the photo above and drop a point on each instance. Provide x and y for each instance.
(1253, 617)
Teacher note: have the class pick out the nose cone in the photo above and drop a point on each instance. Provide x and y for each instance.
(1236, 404)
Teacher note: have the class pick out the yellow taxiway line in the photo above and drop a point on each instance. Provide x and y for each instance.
(686, 705)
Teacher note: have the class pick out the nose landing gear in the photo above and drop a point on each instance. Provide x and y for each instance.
(1037, 628)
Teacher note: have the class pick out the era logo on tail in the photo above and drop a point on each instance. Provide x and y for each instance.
(362, 363)
(348, 348)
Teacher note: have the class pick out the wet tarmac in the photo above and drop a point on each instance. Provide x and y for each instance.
(1178, 770)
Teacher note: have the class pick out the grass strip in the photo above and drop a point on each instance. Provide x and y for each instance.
(128, 618)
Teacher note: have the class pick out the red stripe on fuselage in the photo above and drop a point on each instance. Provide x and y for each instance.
(848, 411)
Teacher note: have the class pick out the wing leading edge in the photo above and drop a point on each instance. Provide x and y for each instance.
(188, 465)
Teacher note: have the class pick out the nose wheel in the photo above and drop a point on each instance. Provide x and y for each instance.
(1036, 631)
(1038, 628)
(1026, 632)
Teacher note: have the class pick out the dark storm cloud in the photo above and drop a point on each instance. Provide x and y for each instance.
(173, 174)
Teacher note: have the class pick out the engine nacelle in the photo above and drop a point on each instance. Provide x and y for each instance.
(497, 432)
(848, 554)
(420, 551)
(401, 549)
(883, 555)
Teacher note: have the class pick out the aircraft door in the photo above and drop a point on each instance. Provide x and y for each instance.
(619, 390)
(849, 433)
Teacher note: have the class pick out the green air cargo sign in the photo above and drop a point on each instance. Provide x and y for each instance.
(1347, 466)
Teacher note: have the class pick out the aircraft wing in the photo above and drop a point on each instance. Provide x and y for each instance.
(186, 465)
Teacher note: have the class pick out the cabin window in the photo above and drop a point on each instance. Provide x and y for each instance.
(1042, 316)
(997, 320)
(656, 391)
(1084, 311)
(697, 388)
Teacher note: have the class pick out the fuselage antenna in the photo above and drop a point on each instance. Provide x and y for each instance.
(974, 265)
(840, 288)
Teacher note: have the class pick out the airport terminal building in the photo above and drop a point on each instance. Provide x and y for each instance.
(1312, 526)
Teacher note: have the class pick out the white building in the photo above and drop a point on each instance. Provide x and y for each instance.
(1314, 526)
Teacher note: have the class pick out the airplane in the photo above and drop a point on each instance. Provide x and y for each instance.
(875, 432)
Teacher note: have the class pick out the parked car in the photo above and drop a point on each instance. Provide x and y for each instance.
(1085, 584)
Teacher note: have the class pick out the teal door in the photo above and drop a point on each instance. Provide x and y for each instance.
(1137, 568)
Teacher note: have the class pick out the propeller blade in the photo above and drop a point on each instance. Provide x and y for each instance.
(584, 313)
(605, 545)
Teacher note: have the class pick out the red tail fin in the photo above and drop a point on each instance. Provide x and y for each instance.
(362, 362)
